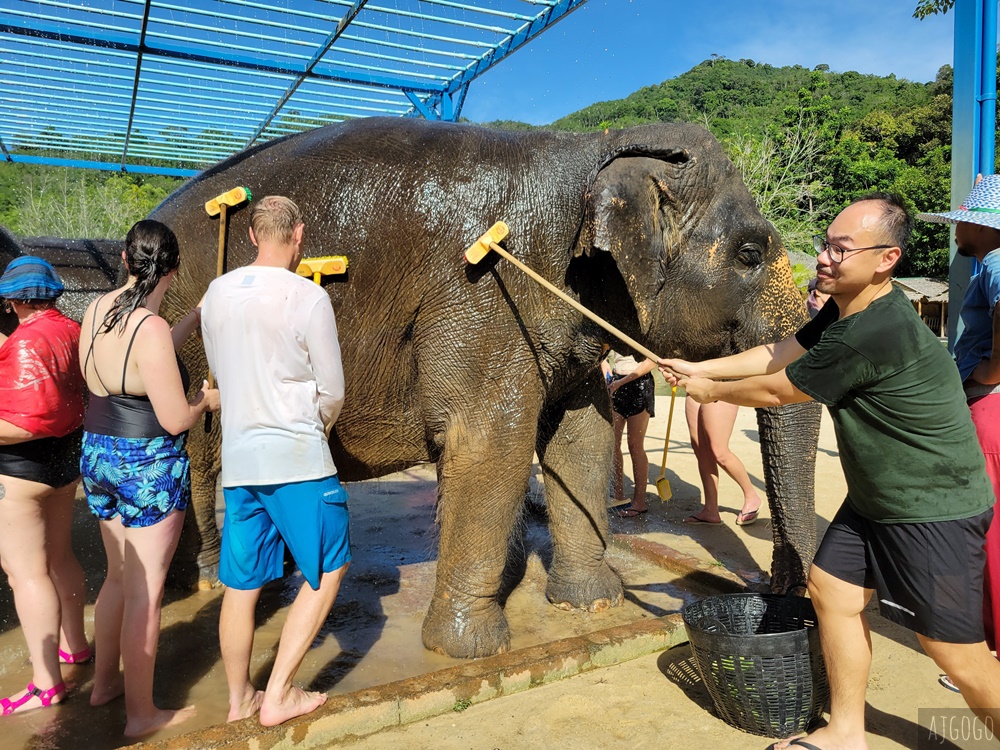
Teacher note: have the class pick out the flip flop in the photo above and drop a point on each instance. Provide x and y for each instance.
(946, 682)
(80, 657)
(695, 521)
(746, 519)
(612, 503)
(799, 742)
(630, 512)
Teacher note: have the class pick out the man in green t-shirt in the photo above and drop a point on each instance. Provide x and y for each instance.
(919, 501)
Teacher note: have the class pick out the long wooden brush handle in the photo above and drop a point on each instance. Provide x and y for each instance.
(576, 305)
(666, 438)
(220, 268)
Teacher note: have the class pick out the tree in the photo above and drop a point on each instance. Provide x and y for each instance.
(927, 8)
(781, 175)
(73, 204)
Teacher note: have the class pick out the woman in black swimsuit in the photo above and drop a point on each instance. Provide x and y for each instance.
(135, 466)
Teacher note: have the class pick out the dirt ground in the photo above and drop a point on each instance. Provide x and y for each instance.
(657, 701)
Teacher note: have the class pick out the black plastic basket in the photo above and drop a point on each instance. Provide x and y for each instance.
(759, 655)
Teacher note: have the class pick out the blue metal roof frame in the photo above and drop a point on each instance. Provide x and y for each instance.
(173, 86)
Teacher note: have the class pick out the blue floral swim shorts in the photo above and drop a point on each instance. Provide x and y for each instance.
(139, 479)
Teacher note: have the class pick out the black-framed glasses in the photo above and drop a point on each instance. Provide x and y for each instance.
(837, 253)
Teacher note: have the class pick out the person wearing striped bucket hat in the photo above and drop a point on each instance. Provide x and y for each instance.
(41, 417)
(977, 354)
(30, 278)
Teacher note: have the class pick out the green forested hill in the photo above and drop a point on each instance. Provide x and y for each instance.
(730, 95)
(808, 141)
(805, 141)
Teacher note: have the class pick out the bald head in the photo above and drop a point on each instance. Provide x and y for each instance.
(886, 218)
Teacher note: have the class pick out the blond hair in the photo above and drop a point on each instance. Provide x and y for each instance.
(274, 218)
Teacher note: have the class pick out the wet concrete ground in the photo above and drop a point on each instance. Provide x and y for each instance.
(371, 637)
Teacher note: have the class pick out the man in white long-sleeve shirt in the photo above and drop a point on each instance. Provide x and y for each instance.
(271, 340)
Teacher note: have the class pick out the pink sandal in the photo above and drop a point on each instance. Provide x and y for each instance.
(45, 696)
(80, 657)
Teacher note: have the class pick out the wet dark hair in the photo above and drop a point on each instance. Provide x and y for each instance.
(151, 252)
(896, 224)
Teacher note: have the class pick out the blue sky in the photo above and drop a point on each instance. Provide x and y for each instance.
(609, 48)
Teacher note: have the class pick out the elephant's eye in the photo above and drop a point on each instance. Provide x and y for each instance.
(749, 255)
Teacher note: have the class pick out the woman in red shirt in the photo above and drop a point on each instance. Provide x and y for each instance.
(41, 413)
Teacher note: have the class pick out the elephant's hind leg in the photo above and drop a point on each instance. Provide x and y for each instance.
(481, 479)
(574, 446)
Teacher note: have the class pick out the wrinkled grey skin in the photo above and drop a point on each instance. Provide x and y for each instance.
(9, 249)
(475, 368)
(87, 268)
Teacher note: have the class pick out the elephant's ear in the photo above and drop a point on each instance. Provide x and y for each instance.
(634, 212)
(627, 200)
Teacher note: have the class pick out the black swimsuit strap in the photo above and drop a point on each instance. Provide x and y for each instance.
(93, 340)
(128, 351)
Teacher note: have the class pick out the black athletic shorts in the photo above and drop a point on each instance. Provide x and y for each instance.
(928, 577)
(635, 396)
(51, 461)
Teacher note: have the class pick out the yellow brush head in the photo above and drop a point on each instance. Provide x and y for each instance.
(481, 248)
(232, 197)
(327, 265)
(663, 489)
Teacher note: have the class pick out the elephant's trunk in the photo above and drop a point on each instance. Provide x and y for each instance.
(788, 438)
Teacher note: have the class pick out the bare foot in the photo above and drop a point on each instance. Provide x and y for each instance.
(825, 739)
(107, 692)
(246, 708)
(135, 727)
(703, 517)
(295, 702)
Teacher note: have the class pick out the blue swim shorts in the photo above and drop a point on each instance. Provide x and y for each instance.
(139, 479)
(309, 517)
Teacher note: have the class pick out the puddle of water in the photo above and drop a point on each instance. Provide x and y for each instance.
(371, 637)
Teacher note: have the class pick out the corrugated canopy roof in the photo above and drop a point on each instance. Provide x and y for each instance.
(173, 86)
(923, 288)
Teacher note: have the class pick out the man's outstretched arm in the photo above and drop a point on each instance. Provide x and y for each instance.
(761, 360)
(761, 390)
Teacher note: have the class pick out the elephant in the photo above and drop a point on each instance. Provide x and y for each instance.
(476, 368)
(10, 248)
(86, 267)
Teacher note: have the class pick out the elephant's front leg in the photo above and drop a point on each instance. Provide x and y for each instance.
(196, 561)
(574, 447)
(482, 476)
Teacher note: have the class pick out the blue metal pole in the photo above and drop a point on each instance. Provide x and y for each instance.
(988, 89)
(966, 129)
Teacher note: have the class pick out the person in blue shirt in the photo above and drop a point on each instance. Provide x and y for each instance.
(977, 354)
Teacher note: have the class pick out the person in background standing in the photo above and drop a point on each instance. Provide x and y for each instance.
(815, 299)
(41, 410)
(633, 401)
(977, 354)
(711, 427)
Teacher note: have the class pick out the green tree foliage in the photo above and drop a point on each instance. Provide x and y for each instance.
(930, 7)
(807, 142)
(74, 203)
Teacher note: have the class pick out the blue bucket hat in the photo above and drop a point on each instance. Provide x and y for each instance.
(982, 206)
(29, 277)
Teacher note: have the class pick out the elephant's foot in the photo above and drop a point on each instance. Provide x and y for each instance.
(593, 592)
(466, 631)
